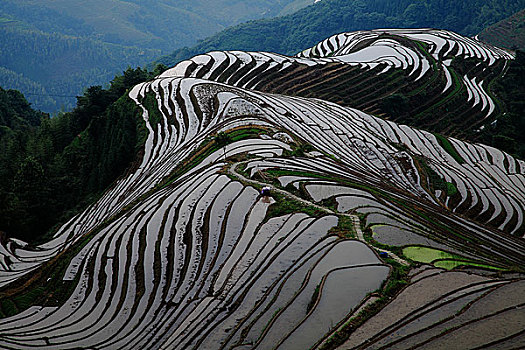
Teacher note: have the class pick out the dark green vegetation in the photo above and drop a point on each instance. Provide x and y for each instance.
(439, 258)
(16, 113)
(438, 102)
(285, 206)
(51, 50)
(52, 167)
(445, 143)
(345, 227)
(208, 146)
(508, 33)
(507, 131)
(293, 33)
(222, 140)
(159, 24)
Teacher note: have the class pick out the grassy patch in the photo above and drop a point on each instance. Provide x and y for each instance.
(447, 146)
(451, 189)
(442, 259)
(397, 280)
(278, 172)
(457, 89)
(345, 228)
(435, 181)
(246, 133)
(427, 255)
(302, 149)
(314, 298)
(284, 205)
(154, 116)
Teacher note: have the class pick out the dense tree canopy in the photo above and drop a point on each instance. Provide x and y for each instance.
(507, 132)
(51, 50)
(52, 167)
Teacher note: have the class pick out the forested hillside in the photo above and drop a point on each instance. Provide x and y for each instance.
(154, 24)
(52, 68)
(52, 50)
(290, 34)
(507, 132)
(508, 33)
(52, 167)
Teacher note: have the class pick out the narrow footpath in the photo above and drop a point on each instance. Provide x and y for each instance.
(232, 170)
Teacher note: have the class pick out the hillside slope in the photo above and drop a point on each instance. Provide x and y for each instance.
(52, 69)
(434, 79)
(160, 25)
(508, 33)
(183, 252)
(291, 34)
(50, 168)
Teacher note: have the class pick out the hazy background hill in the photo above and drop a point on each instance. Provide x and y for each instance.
(52, 49)
(293, 33)
(155, 24)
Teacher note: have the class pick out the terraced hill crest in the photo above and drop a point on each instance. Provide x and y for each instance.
(365, 215)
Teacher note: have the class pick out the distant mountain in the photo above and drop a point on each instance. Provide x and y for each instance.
(52, 50)
(508, 33)
(154, 24)
(290, 34)
(51, 68)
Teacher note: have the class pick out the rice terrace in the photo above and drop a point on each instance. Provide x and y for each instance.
(335, 199)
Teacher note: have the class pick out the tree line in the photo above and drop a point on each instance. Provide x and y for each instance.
(50, 168)
(507, 131)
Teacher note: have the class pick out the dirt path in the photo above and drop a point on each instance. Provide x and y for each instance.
(232, 170)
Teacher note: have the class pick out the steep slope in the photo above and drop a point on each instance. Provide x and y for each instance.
(184, 253)
(508, 33)
(50, 168)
